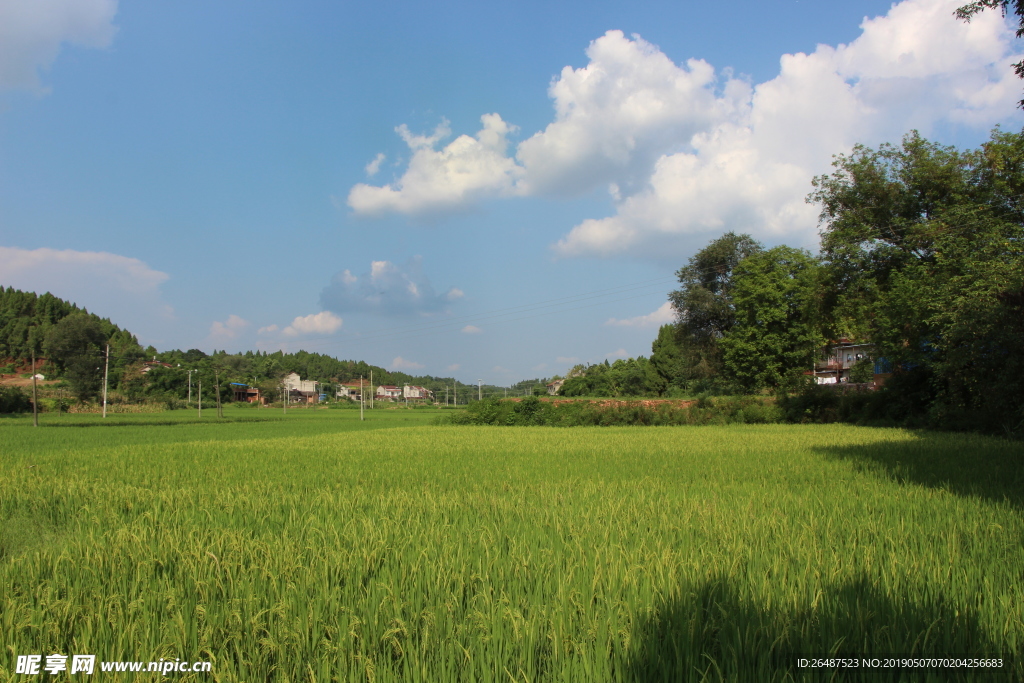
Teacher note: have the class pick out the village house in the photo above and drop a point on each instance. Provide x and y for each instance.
(842, 356)
(299, 390)
(555, 387)
(246, 394)
(353, 389)
(148, 365)
(388, 392)
(415, 393)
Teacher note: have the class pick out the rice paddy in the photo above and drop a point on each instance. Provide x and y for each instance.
(321, 548)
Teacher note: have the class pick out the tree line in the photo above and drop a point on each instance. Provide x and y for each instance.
(922, 256)
(74, 343)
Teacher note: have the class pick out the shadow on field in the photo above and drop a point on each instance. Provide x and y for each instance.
(713, 633)
(985, 467)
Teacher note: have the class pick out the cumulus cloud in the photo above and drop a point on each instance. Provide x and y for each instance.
(121, 288)
(465, 170)
(323, 322)
(687, 152)
(453, 367)
(664, 315)
(387, 288)
(471, 329)
(32, 33)
(221, 332)
(916, 67)
(374, 166)
(615, 116)
(269, 329)
(400, 363)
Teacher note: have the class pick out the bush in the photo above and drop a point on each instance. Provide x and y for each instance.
(14, 400)
(531, 411)
(174, 403)
(54, 405)
(816, 403)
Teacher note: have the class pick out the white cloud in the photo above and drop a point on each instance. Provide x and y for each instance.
(400, 363)
(664, 315)
(917, 67)
(269, 329)
(374, 166)
(121, 288)
(221, 332)
(567, 359)
(687, 153)
(621, 353)
(323, 322)
(33, 31)
(615, 116)
(500, 370)
(471, 329)
(387, 288)
(453, 367)
(467, 169)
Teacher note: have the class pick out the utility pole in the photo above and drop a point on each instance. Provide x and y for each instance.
(455, 387)
(35, 400)
(200, 397)
(106, 368)
(361, 399)
(216, 380)
(479, 390)
(371, 388)
(446, 395)
(189, 387)
(284, 397)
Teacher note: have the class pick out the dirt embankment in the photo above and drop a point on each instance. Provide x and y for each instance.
(22, 366)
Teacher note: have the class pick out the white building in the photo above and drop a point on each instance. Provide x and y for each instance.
(389, 392)
(416, 393)
(842, 356)
(354, 389)
(292, 381)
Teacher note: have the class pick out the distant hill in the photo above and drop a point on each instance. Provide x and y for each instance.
(27, 316)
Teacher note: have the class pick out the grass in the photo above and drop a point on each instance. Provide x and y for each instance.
(320, 548)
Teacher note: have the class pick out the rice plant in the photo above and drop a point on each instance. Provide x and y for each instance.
(319, 548)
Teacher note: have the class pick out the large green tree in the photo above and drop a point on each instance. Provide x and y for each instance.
(925, 245)
(75, 344)
(877, 211)
(667, 358)
(704, 302)
(776, 335)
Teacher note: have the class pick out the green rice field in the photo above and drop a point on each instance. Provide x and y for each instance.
(316, 547)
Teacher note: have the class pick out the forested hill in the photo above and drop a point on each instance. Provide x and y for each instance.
(26, 318)
(29, 323)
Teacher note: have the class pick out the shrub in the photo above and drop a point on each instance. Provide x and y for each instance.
(14, 400)
(531, 411)
(814, 404)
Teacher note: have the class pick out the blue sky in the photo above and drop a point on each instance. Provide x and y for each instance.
(491, 192)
